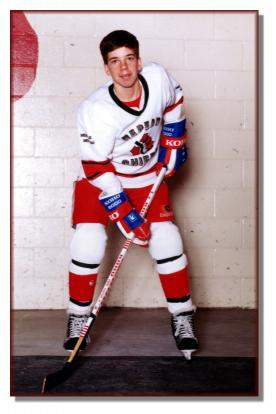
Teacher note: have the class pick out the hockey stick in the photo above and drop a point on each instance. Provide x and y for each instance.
(56, 378)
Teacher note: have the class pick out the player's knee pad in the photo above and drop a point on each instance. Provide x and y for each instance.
(87, 248)
(165, 240)
(166, 247)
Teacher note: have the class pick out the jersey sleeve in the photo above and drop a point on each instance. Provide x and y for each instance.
(97, 138)
(174, 111)
(172, 150)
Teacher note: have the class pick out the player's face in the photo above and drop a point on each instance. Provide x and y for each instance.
(123, 66)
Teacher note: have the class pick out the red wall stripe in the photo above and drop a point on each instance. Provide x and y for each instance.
(24, 55)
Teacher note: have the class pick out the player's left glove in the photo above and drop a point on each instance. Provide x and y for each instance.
(127, 219)
(173, 151)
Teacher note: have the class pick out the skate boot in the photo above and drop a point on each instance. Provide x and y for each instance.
(74, 327)
(183, 332)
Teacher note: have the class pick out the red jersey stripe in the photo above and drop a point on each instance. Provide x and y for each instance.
(93, 169)
(138, 174)
(171, 107)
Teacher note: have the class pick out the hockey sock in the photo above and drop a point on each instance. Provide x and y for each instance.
(174, 278)
(166, 248)
(87, 250)
(81, 292)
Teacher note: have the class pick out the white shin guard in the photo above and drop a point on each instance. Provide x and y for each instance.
(87, 247)
(165, 241)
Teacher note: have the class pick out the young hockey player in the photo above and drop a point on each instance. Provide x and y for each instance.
(129, 128)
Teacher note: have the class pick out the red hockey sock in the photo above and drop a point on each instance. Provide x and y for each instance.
(81, 288)
(175, 285)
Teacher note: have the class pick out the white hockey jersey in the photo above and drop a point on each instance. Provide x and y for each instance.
(119, 144)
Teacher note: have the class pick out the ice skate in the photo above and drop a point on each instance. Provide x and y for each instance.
(184, 334)
(74, 327)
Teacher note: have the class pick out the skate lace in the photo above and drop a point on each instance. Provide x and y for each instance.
(184, 326)
(75, 325)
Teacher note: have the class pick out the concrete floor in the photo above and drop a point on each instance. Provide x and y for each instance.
(137, 332)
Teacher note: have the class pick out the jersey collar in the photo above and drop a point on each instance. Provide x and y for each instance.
(126, 108)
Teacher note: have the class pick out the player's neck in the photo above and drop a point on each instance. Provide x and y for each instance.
(128, 94)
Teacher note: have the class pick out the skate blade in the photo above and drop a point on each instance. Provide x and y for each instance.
(188, 354)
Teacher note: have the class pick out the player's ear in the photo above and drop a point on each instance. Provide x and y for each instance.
(140, 64)
(106, 70)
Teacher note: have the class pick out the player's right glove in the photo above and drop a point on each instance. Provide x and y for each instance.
(126, 217)
(172, 151)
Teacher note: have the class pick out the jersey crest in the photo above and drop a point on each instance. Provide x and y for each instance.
(142, 146)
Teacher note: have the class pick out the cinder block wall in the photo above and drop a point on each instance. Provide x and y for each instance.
(213, 56)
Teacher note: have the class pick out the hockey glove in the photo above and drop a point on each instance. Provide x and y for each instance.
(172, 151)
(126, 217)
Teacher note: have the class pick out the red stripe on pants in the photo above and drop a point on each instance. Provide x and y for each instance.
(81, 287)
(175, 285)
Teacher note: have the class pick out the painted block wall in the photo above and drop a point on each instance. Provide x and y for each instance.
(212, 55)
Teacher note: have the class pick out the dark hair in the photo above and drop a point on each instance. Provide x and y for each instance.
(116, 39)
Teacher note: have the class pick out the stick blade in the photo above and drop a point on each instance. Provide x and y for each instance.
(57, 378)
